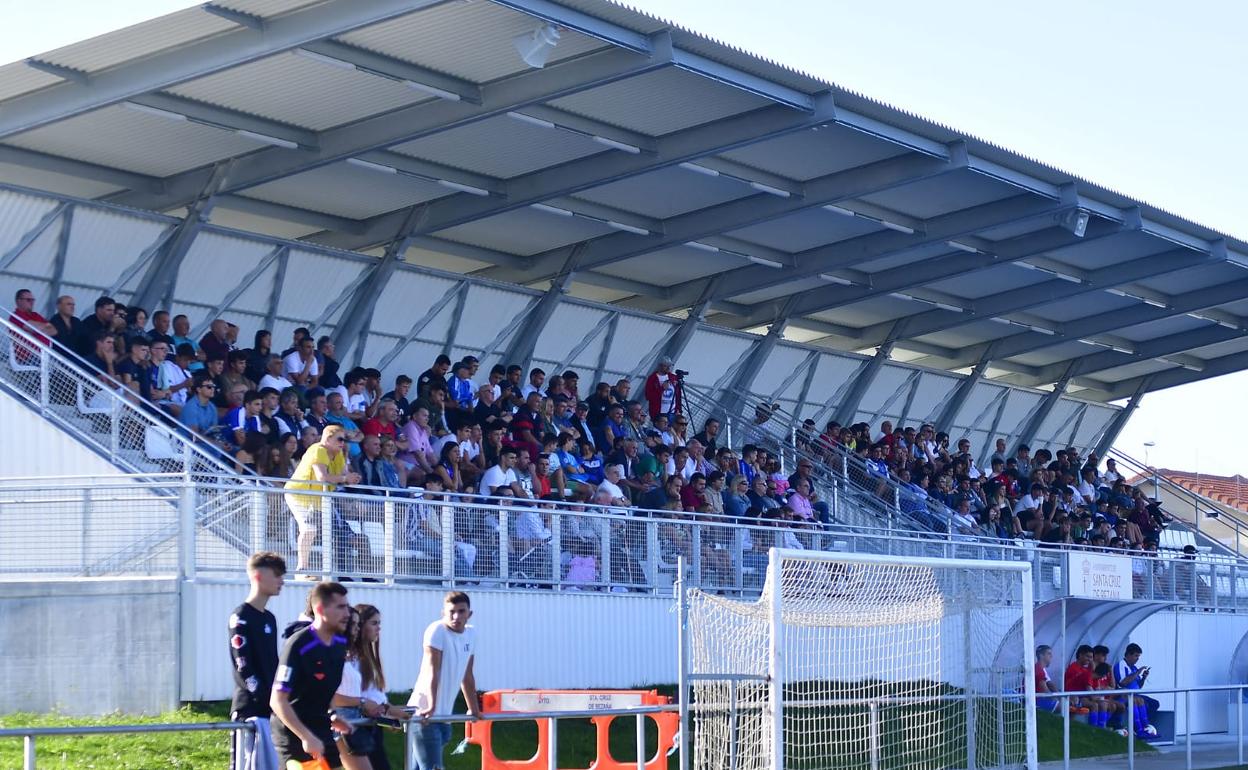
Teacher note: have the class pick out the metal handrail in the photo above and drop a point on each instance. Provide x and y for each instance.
(29, 734)
(70, 361)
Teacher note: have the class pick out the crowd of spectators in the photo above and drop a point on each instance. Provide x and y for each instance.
(510, 434)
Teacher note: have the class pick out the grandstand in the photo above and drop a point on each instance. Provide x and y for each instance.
(847, 286)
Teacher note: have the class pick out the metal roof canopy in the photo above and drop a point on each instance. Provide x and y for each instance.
(684, 172)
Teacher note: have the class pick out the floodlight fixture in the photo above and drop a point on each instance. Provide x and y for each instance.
(535, 47)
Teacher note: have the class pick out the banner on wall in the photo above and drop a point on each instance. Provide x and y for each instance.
(1098, 575)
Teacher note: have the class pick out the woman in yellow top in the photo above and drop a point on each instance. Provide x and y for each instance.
(322, 469)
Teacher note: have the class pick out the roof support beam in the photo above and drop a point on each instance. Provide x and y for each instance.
(203, 57)
(56, 164)
(875, 245)
(755, 209)
(58, 261)
(1214, 367)
(420, 120)
(675, 343)
(811, 360)
(944, 415)
(352, 328)
(275, 289)
(607, 321)
(259, 208)
(600, 369)
(32, 235)
(1042, 410)
(908, 386)
(998, 402)
(1120, 420)
(227, 120)
(865, 377)
(523, 344)
(569, 178)
(157, 284)
(455, 292)
(760, 350)
(233, 294)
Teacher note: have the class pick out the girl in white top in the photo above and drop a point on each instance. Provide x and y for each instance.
(364, 685)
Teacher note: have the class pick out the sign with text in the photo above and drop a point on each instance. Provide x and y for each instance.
(1098, 575)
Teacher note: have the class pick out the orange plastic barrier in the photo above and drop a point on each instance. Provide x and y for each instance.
(521, 701)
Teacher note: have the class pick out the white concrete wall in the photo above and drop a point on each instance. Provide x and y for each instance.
(36, 447)
(89, 646)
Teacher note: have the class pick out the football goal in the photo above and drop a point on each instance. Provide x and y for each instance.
(853, 661)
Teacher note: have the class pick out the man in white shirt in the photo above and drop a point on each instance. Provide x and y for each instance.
(301, 366)
(501, 479)
(611, 484)
(449, 646)
(273, 377)
(537, 378)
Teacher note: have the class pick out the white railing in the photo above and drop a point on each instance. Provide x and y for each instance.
(175, 526)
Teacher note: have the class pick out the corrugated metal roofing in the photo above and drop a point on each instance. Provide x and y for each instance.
(660, 102)
(136, 141)
(345, 190)
(440, 37)
(502, 147)
(815, 153)
(266, 9)
(668, 192)
(298, 91)
(143, 39)
(20, 78)
(526, 232)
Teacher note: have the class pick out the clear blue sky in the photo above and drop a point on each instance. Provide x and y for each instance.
(1145, 97)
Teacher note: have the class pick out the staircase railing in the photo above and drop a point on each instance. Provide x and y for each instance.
(858, 496)
(1194, 511)
(130, 433)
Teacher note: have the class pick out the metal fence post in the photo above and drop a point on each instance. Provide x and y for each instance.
(552, 745)
(504, 556)
(1065, 729)
(45, 385)
(259, 520)
(447, 514)
(1130, 738)
(874, 735)
(327, 535)
(28, 752)
(1187, 726)
(641, 742)
(388, 529)
(186, 531)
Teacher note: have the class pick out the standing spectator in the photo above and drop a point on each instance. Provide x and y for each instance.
(322, 469)
(182, 328)
(309, 672)
(363, 688)
(215, 341)
(435, 374)
(101, 321)
(25, 317)
(273, 377)
(449, 645)
(301, 367)
(253, 648)
(663, 389)
(69, 329)
(296, 337)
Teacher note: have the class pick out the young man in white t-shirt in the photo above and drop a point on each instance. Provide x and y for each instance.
(449, 646)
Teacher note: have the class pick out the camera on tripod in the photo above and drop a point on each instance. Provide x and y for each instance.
(681, 374)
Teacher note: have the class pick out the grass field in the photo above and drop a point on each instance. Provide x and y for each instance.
(515, 740)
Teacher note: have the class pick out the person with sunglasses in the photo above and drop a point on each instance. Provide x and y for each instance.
(199, 414)
(322, 469)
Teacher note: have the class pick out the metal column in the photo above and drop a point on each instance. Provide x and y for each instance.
(1110, 434)
(944, 415)
(1042, 411)
(520, 351)
(866, 376)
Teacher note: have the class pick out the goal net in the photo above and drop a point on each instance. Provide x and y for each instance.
(859, 661)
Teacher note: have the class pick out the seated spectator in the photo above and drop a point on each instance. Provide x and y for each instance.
(592, 463)
(338, 416)
(301, 368)
(198, 414)
(235, 374)
(318, 410)
(487, 411)
(395, 469)
(253, 454)
(402, 386)
(214, 342)
(500, 480)
(736, 496)
(447, 468)
(460, 389)
(385, 424)
(136, 371)
(800, 502)
(258, 355)
(419, 452)
(537, 378)
(693, 494)
(370, 465)
(610, 485)
(423, 531)
(273, 377)
(666, 496)
(289, 416)
(762, 495)
(963, 522)
(245, 420)
(25, 317)
(433, 403)
(99, 322)
(1044, 683)
(69, 329)
(709, 435)
(623, 388)
(182, 328)
(434, 375)
(103, 359)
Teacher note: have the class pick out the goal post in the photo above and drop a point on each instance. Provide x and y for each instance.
(862, 661)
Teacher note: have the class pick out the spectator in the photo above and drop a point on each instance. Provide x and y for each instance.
(1044, 684)
(26, 318)
(338, 416)
(598, 404)
(198, 413)
(322, 469)
(623, 387)
(327, 377)
(100, 321)
(355, 399)
(612, 427)
(301, 368)
(434, 375)
(663, 390)
(447, 468)
(762, 495)
(736, 496)
(317, 416)
(1130, 676)
(386, 423)
(461, 390)
(800, 501)
(69, 330)
(215, 341)
(253, 454)
(591, 462)
(610, 489)
(102, 358)
(235, 374)
(258, 356)
(419, 446)
(273, 377)
(693, 494)
(182, 328)
(136, 371)
(395, 470)
(710, 430)
(501, 480)
(289, 416)
(402, 386)
(536, 378)
(245, 420)
(369, 464)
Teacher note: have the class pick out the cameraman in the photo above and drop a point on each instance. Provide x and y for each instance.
(664, 389)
